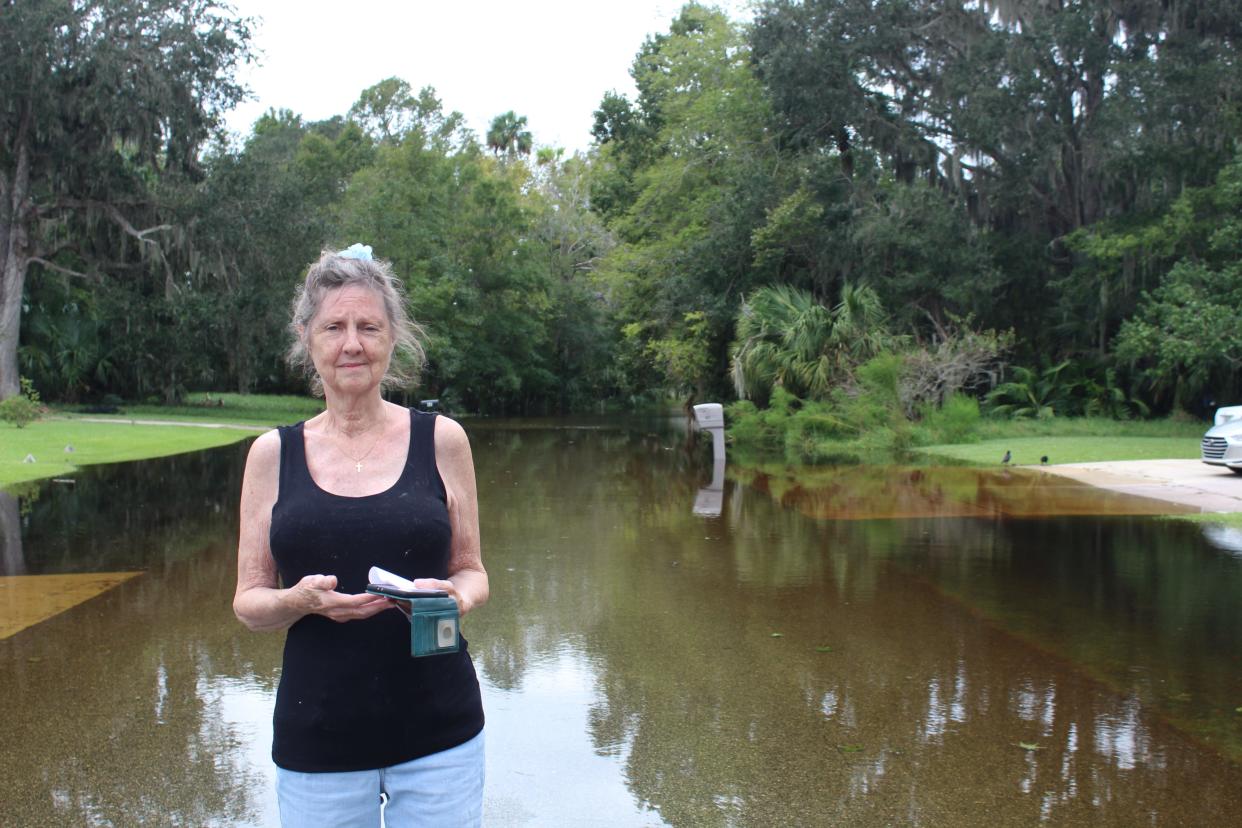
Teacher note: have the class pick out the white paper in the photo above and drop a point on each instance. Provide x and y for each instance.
(382, 576)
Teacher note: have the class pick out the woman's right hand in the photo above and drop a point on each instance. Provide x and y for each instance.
(316, 594)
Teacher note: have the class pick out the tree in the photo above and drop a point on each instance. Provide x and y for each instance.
(263, 212)
(786, 338)
(1185, 339)
(509, 136)
(459, 229)
(104, 105)
(572, 242)
(1184, 271)
(915, 245)
(389, 109)
(1036, 118)
(385, 110)
(684, 179)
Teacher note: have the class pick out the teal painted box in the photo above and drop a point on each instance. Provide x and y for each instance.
(434, 618)
(435, 626)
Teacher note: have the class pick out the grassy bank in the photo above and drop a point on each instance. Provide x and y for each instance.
(1068, 449)
(48, 441)
(114, 438)
(1076, 440)
(861, 426)
(244, 409)
(1233, 519)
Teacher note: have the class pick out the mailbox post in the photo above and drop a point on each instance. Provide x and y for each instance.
(710, 418)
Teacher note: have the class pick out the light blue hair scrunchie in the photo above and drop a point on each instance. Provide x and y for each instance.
(357, 251)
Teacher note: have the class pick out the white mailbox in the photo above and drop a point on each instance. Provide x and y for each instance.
(709, 415)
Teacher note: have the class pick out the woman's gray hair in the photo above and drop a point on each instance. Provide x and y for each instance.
(334, 271)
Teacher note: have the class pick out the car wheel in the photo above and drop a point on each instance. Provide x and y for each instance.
(1235, 470)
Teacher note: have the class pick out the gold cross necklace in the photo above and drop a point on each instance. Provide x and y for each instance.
(358, 460)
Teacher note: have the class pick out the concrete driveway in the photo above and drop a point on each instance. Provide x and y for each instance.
(1188, 482)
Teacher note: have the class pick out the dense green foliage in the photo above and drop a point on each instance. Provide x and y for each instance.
(104, 107)
(1037, 200)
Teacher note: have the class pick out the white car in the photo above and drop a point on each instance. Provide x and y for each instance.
(1222, 445)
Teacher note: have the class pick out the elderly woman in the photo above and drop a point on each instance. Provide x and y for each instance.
(358, 720)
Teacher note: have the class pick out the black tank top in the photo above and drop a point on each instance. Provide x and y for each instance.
(351, 697)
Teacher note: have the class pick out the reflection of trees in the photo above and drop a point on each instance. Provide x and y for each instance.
(721, 723)
(912, 717)
(135, 731)
(11, 560)
(546, 499)
(114, 713)
(1145, 605)
(134, 515)
(862, 492)
(592, 547)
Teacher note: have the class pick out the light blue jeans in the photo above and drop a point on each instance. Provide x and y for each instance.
(443, 789)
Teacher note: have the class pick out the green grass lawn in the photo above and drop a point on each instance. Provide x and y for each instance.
(119, 439)
(1223, 518)
(1077, 440)
(1086, 441)
(247, 409)
(1069, 449)
(93, 443)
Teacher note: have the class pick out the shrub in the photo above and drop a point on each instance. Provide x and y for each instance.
(23, 408)
(959, 360)
(751, 427)
(954, 422)
(810, 427)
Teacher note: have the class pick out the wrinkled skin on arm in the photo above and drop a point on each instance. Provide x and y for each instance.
(467, 581)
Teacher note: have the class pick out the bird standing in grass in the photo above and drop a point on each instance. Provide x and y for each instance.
(1043, 461)
(1006, 458)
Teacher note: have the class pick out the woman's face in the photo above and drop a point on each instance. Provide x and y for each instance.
(350, 340)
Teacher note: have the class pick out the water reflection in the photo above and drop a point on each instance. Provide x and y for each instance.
(761, 668)
(1228, 538)
(646, 665)
(888, 492)
(122, 717)
(12, 562)
(124, 709)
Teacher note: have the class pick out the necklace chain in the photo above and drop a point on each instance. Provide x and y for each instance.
(358, 460)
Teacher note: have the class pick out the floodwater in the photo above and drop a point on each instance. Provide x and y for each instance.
(667, 644)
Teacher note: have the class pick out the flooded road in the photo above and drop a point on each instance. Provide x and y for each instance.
(854, 645)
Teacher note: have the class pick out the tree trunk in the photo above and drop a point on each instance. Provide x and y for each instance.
(11, 281)
(14, 258)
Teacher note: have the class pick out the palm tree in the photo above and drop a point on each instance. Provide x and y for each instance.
(508, 135)
(785, 337)
(1035, 393)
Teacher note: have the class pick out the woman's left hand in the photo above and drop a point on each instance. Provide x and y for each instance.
(447, 586)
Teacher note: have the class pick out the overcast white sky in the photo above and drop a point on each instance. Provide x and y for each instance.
(550, 60)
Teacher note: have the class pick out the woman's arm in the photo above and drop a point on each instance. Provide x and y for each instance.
(259, 602)
(467, 581)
